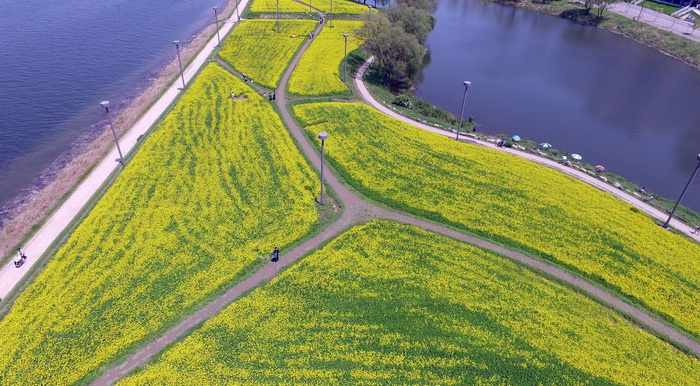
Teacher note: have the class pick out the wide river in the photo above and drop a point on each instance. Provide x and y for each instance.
(61, 58)
(585, 90)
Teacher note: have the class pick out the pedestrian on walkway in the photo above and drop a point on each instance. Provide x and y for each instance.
(276, 255)
(696, 231)
(274, 95)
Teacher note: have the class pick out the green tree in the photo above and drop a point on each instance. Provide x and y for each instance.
(399, 55)
(414, 21)
(429, 6)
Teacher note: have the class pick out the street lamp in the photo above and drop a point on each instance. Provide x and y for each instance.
(665, 226)
(345, 61)
(278, 16)
(216, 17)
(105, 104)
(238, 14)
(310, 10)
(331, 18)
(461, 113)
(177, 48)
(322, 136)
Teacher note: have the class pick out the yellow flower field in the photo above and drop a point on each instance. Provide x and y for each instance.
(219, 183)
(390, 303)
(339, 6)
(319, 71)
(512, 201)
(270, 6)
(255, 47)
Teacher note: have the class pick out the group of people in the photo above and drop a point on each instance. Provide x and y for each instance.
(272, 96)
(501, 142)
(321, 20)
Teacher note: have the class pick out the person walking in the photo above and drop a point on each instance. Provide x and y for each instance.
(696, 231)
(276, 255)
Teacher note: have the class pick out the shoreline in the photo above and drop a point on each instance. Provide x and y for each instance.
(21, 215)
(84, 139)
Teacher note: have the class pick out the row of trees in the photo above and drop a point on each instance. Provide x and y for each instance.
(396, 37)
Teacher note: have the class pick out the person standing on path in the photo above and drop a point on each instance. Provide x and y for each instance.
(276, 255)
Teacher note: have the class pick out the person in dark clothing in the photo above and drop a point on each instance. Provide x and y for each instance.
(276, 255)
(274, 95)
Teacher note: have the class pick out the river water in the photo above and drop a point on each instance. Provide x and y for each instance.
(61, 58)
(588, 91)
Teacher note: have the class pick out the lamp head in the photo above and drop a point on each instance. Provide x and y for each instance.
(106, 103)
(176, 42)
(345, 36)
(467, 83)
(698, 157)
(323, 136)
(214, 8)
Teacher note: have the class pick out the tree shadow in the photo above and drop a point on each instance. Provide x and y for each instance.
(581, 16)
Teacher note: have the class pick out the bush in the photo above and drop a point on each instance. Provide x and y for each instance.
(403, 100)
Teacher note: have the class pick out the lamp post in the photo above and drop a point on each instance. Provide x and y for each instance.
(322, 136)
(238, 14)
(216, 17)
(665, 226)
(177, 48)
(278, 16)
(369, 13)
(461, 113)
(345, 60)
(310, 10)
(331, 13)
(105, 104)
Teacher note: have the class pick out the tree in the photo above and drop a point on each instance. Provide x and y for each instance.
(399, 55)
(602, 5)
(429, 6)
(414, 21)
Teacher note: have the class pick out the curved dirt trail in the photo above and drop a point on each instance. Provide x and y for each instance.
(357, 211)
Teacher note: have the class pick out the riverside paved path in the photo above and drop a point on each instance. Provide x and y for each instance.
(369, 99)
(357, 211)
(654, 18)
(59, 220)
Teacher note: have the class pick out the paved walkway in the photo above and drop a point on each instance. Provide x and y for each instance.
(54, 226)
(367, 97)
(657, 19)
(357, 211)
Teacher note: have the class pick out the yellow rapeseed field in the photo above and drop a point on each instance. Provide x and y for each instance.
(319, 71)
(219, 183)
(270, 6)
(288, 6)
(390, 303)
(255, 47)
(512, 201)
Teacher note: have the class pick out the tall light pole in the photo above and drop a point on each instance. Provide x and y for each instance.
(105, 104)
(345, 61)
(310, 10)
(331, 13)
(322, 136)
(461, 113)
(177, 48)
(216, 17)
(665, 226)
(238, 14)
(278, 16)
(369, 13)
